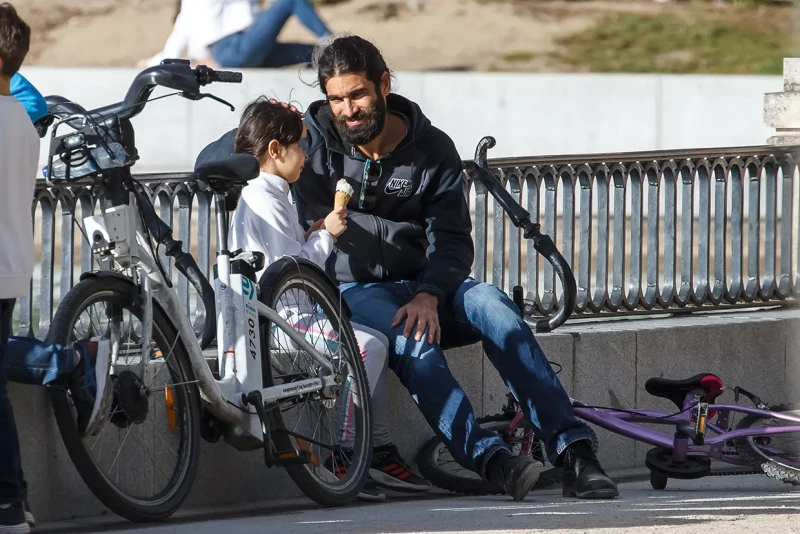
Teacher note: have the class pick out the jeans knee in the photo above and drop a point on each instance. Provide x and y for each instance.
(486, 303)
(412, 358)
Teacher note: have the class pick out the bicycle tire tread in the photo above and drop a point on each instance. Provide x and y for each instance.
(767, 467)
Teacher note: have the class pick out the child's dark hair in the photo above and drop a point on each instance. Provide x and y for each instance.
(15, 39)
(261, 122)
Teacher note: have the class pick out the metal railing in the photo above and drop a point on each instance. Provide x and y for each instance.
(653, 232)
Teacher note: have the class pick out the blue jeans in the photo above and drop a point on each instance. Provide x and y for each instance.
(30, 361)
(12, 481)
(258, 46)
(478, 312)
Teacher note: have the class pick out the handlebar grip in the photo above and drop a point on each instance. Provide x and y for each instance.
(544, 245)
(224, 76)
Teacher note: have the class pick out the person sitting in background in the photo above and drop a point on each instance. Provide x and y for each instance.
(238, 34)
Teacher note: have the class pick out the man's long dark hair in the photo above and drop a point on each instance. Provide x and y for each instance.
(349, 54)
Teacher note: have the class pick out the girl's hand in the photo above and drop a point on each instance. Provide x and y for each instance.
(336, 221)
(314, 227)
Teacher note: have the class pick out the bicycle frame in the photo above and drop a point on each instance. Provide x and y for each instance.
(626, 423)
(224, 398)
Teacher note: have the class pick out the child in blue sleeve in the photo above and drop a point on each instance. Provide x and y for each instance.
(31, 99)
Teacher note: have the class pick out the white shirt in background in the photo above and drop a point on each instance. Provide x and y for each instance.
(19, 157)
(201, 23)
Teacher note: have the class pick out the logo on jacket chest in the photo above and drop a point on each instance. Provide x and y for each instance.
(402, 187)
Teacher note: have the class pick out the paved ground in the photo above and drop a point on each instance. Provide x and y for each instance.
(719, 504)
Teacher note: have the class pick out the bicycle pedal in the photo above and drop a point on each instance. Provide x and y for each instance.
(282, 459)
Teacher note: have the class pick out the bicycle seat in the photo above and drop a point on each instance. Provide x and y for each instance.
(232, 170)
(676, 390)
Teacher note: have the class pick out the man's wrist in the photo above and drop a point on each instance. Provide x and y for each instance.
(428, 296)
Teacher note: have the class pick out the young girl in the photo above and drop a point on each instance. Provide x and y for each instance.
(265, 221)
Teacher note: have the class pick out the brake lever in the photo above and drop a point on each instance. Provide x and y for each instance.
(200, 96)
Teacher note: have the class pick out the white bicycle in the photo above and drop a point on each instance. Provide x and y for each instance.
(300, 406)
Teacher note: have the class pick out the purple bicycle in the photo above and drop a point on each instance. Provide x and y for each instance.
(702, 430)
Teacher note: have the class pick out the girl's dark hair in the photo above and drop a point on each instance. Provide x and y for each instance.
(261, 122)
(349, 54)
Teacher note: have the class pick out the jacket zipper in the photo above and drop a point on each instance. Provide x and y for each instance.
(379, 229)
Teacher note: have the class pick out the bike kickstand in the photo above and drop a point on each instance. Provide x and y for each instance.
(274, 458)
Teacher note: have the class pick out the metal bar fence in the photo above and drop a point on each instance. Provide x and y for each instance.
(644, 232)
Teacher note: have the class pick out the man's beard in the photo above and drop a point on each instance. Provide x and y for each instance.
(372, 122)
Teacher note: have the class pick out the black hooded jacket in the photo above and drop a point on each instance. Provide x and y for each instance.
(420, 227)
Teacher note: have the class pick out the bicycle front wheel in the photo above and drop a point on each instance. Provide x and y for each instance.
(333, 428)
(142, 459)
(777, 455)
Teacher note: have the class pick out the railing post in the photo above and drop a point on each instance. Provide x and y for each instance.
(782, 110)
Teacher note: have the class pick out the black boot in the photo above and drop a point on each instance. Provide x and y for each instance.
(582, 475)
(515, 475)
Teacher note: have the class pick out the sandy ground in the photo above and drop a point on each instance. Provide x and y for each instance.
(446, 35)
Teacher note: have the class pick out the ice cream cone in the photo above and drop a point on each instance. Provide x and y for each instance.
(343, 193)
(341, 199)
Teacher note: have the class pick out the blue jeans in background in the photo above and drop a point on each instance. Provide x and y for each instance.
(258, 46)
(478, 312)
(12, 481)
(27, 361)
(30, 361)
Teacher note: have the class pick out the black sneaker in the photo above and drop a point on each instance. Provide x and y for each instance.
(369, 492)
(515, 475)
(582, 475)
(12, 519)
(390, 471)
(89, 384)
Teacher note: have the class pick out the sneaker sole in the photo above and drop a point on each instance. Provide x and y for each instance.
(593, 494)
(526, 481)
(372, 498)
(24, 528)
(387, 481)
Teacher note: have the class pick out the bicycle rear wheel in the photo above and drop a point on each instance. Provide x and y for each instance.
(141, 462)
(334, 429)
(437, 465)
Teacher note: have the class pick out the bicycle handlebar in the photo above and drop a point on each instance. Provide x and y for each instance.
(171, 73)
(521, 218)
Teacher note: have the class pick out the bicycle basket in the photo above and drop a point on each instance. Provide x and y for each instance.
(79, 154)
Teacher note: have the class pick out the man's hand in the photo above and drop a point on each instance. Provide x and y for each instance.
(314, 227)
(423, 312)
(287, 106)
